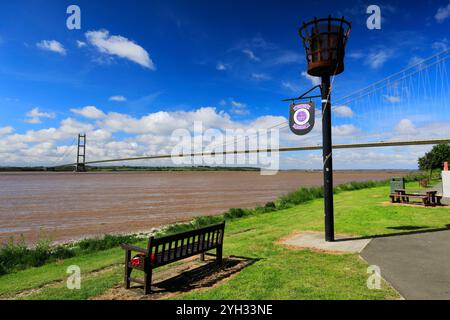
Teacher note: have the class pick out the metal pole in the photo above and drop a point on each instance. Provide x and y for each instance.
(327, 159)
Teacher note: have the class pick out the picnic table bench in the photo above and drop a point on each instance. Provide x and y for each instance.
(168, 249)
(429, 198)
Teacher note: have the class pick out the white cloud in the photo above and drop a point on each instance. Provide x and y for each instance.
(6, 130)
(377, 59)
(405, 126)
(441, 45)
(343, 111)
(90, 112)
(35, 115)
(260, 76)
(52, 45)
(355, 55)
(287, 57)
(442, 14)
(121, 47)
(314, 80)
(392, 99)
(239, 108)
(251, 55)
(81, 44)
(290, 86)
(118, 98)
(221, 66)
(164, 122)
(345, 130)
(415, 60)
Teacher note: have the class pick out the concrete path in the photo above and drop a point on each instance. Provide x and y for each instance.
(417, 265)
(315, 241)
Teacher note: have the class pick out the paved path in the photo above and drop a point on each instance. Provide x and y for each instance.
(417, 265)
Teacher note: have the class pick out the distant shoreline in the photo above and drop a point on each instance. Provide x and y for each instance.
(127, 169)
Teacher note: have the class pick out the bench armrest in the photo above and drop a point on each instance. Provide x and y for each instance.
(133, 248)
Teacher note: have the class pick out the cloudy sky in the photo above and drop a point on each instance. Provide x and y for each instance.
(137, 70)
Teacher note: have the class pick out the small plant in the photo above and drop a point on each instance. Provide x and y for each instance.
(62, 252)
(234, 213)
(15, 255)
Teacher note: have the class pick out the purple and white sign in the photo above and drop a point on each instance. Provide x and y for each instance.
(302, 118)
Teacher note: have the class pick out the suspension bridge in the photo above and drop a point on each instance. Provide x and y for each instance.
(409, 93)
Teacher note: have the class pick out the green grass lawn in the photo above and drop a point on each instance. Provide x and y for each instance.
(278, 273)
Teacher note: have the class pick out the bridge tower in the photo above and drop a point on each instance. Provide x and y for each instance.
(81, 153)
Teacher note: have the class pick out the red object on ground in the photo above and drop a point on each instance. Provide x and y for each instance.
(445, 166)
(138, 259)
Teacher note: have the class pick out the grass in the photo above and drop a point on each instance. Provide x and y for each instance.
(16, 255)
(279, 273)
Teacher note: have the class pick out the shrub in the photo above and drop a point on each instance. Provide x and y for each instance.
(62, 252)
(17, 256)
(234, 213)
(302, 195)
(270, 206)
(13, 255)
(107, 242)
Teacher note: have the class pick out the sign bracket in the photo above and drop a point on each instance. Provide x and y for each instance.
(304, 95)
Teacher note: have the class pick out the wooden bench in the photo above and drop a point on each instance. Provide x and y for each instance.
(400, 196)
(425, 198)
(165, 250)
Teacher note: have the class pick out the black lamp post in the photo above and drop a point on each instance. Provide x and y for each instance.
(324, 41)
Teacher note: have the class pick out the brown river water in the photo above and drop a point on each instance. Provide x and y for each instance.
(68, 206)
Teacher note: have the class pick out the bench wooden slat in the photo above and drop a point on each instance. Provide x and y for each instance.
(184, 234)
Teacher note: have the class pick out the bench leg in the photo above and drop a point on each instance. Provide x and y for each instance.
(202, 256)
(148, 281)
(127, 269)
(219, 252)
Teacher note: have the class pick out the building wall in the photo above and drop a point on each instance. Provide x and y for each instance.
(446, 183)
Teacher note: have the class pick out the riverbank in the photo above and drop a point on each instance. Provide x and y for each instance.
(276, 273)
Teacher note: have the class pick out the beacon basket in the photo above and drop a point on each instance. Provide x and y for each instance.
(324, 41)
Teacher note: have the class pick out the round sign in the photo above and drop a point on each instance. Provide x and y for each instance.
(301, 117)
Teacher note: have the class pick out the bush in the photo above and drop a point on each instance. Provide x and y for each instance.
(17, 256)
(62, 252)
(107, 242)
(234, 213)
(302, 195)
(270, 206)
(39, 255)
(13, 255)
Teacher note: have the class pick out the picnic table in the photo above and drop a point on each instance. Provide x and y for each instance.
(429, 198)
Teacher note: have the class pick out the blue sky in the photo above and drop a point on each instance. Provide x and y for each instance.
(136, 61)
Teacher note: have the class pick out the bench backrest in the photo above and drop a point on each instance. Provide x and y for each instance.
(186, 244)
